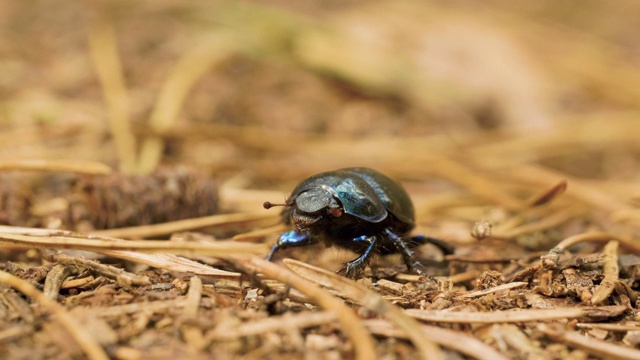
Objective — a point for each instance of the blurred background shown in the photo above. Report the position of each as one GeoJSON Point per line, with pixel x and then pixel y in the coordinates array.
{"type": "Point", "coordinates": [514, 123]}
{"type": "Point", "coordinates": [259, 95]}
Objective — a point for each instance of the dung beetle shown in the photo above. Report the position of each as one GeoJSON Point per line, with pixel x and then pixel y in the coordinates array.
{"type": "Point", "coordinates": [359, 209]}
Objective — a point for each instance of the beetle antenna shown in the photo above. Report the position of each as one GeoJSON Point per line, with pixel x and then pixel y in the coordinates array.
{"type": "Point", "coordinates": [269, 205]}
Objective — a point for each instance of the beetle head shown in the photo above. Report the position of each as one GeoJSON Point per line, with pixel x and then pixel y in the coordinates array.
{"type": "Point", "coordinates": [314, 205]}
{"type": "Point", "coordinates": [311, 206]}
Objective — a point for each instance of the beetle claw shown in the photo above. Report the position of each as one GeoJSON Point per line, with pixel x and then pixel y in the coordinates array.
{"type": "Point", "coordinates": [353, 269]}
{"type": "Point", "coordinates": [418, 269]}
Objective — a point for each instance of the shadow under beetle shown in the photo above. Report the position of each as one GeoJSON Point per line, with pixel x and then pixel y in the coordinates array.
{"type": "Point", "coordinates": [359, 209]}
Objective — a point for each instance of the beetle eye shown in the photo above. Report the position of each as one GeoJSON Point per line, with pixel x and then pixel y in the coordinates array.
{"type": "Point", "coordinates": [335, 212]}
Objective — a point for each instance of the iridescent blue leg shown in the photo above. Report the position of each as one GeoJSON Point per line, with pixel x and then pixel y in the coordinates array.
{"type": "Point", "coordinates": [445, 247]}
{"type": "Point", "coordinates": [354, 267]}
{"type": "Point", "coordinates": [406, 253]}
{"type": "Point", "coordinates": [293, 238]}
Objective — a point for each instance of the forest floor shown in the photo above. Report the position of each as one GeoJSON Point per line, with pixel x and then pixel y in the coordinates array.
{"type": "Point", "coordinates": [139, 143]}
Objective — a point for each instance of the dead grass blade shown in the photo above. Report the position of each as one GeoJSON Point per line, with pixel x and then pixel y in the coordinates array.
{"type": "Point", "coordinates": [191, 334]}
{"type": "Point", "coordinates": [104, 52]}
{"type": "Point", "coordinates": [221, 249]}
{"type": "Point", "coordinates": [464, 175]}
{"type": "Point", "coordinates": [143, 231]}
{"type": "Point", "coordinates": [361, 340]}
{"type": "Point", "coordinates": [548, 194]}
{"type": "Point", "coordinates": [191, 67]}
{"type": "Point", "coordinates": [455, 340]}
{"type": "Point", "coordinates": [517, 340]}
{"type": "Point", "coordinates": [260, 233]}
{"type": "Point", "coordinates": [549, 220]}
{"type": "Point", "coordinates": [627, 326]}
{"type": "Point", "coordinates": [593, 346]}
{"type": "Point", "coordinates": [520, 315]}
{"type": "Point", "coordinates": [483, 292]}
{"type": "Point", "coordinates": [147, 306]}
{"type": "Point", "coordinates": [372, 301]}
{"type": "Point", "coordinates": [73, 166]}
{"type": "Point", "coordinates": [172, 262]}
{"type": "Point", "coordinates": [576, 188]}
{"type": "Point", "coordinates": [169, 262]}
{"type": "Point", "coordinates": [274, 324]}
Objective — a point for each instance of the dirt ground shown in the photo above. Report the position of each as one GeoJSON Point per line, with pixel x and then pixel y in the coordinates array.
{"type": "Point", "coordinates": [139, 142]}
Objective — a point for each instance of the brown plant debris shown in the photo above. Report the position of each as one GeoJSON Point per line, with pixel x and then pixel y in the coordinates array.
{"type": "Point", "coordinates": [135, 157]}
{"type": "Point", "coordinates": [104, 201]}
{"type": "Point", "coordinates": [113, 201]}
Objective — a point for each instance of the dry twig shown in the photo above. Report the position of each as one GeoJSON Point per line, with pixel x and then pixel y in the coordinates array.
{"type": "Point", "coordinates": [112, 272]}
{"type": "Point", "coordinates": [54, 280]}
{"type": "Point", "coordinates": [604, 290]}
{"type": "Point", "coordinates": [191, 334]}
{"type": "Point", "coordinates": [483, 292]}
{"type": "Point", "coordinates": [550, 260]}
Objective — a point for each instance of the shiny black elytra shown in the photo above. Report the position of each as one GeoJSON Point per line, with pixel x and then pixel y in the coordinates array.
{"type": "Point", "coordinates": [359, 209]}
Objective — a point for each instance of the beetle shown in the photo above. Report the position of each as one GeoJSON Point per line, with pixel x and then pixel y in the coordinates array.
{"type": "Point", "coordinates": [359, 209]}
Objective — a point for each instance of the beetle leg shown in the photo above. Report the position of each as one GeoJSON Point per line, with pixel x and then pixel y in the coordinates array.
{"type": "Point", "coordinates": [406, 253]}
{"type": "Point", "coordinates": [293, 238]}
{"type": "Point", "coordinates": [354, 267]}
{"type": "Point", "coordinates": [445, 247]}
